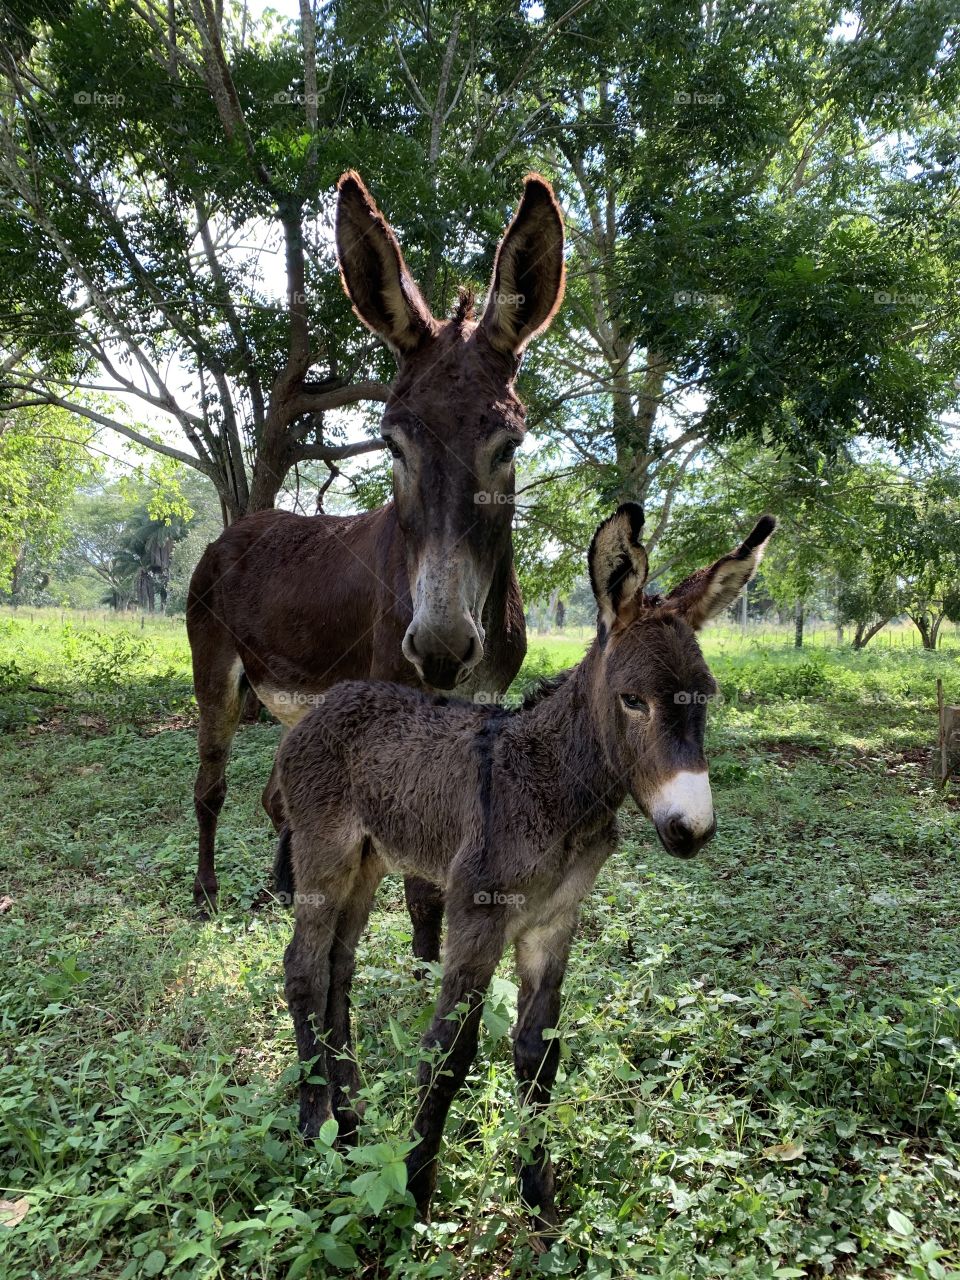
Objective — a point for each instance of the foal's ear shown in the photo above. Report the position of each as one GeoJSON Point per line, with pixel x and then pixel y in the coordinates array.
{"type": "Point", "coordinates": [528, 275]}
{"type": "Point", "coordinates": [617, 563]}
{"type": "Point", "coordinates": [375, 276]}
{"type": "Point", "coordinates": [709, 591]}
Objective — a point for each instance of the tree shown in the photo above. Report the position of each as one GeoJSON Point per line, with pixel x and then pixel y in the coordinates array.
{"type": "Point", "coordinates": [42, 460]}
{"type": "Point", "coordinates": [114, 534]}
{"type": "Point", "coordinates": [754, 262]}
{"type": "Point", "coordinates": [920, 545]}
{"type": "Point", "coordinates": [867, 597]}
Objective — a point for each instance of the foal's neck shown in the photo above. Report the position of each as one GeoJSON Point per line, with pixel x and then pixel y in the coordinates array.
{"type": "Point", "coordinates": [562, 731]}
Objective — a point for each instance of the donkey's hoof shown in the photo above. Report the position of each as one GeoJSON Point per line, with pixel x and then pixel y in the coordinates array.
{"type": "Point", "coordinates": [205, 899]}
{"type": "Point", "coordinates": [348, 1129]}
{"type": "Point", "coordinates": [421, 1183]}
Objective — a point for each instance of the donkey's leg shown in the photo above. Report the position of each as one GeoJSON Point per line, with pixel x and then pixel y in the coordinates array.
{"type": "Point", "coordinates": [325, 872]}
{"type": "Point", "coordinates": [542, 954]}
{"type": "Point", "coordinates": [343, 1074]}
{"type": "Point", "coordinates": [218, 687]}
{"type": "Point", "coordinates": [475, 942]}
{"type": "Point", "coordinates": [425, 904]}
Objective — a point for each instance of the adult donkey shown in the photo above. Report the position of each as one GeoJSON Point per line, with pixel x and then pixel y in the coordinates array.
{"type": "Point", "coordinates": [422, 591]}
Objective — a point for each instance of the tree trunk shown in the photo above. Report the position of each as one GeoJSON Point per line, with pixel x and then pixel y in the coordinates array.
{"type": "Point", "coordinates": [922, 622]}
{"type": "Point", "coordinates": [864, 634]}
{"type": "Point", "coordinates": [269, 472]}
{"type": "Point", "coordinates": [798, 625]}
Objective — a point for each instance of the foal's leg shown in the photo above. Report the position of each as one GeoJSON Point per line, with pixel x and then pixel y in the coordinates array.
{"type": "Point", "coordinates": [425, 905]}
{"type": "Point", "coordinates": [324, 881]}
{"type": "Point", "coordinates": [217, 680]}
{"type": "Point", "coordinates": [475, 943]}
{"type": "Point", "coordinates": [542, 955]}
{"type": "Point", "coordinates": [342, 1065]}
{"type": "Point", "coordinates": [271, 799]}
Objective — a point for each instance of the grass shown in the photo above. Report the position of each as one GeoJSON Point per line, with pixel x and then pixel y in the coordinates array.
{"type": "Point", "coordinates": [760, 1049]}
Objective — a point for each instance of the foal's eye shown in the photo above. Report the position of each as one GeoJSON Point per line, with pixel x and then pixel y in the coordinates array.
{"type": "Point", "coordinates": [633, 703]}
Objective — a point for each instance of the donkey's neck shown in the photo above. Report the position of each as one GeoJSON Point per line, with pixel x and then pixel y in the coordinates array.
{"type": "Point", "coordinates": [558, 748]}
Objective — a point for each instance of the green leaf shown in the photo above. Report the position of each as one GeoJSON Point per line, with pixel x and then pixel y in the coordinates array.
{"type": "Point", "coordinates": [899, 1222]}
{"type": "Point", "coordinates": [328, 1132]}
{"type": "Point", "coordinates": [378, 1193]}
{"type": "Point", "coordinates": [340, 1254]}
{"type": "Point", "coordinates": [395, 1174]}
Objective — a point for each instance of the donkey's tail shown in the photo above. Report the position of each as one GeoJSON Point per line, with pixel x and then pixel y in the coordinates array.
{"type": "Point", "coordinates": [283, 869]}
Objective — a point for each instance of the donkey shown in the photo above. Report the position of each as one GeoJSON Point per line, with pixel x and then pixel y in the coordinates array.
{"type": "Point", "coordinates": [422, 591]}
{"type": "Point", "coordinates": [512, 812]}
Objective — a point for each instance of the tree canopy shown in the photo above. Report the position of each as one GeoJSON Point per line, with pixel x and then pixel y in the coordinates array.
{"type": "Point", "coordinates": [761, 205]}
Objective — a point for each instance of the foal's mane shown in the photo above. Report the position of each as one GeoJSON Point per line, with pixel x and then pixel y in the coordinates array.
{"type": "Point", "coordinates": [542, 688]}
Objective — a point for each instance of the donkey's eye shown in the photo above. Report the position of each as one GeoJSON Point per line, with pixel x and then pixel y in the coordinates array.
{"type": "Point", "coordinates": [395, 450]}
{"type": "Point", "coordinates": [504, 456]}
{"type": "Point", "coordinates": [633, 703]}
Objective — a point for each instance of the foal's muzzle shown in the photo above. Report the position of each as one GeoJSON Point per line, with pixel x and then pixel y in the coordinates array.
{"type": "Point", "coordinates": [682, 812]}
{"type": "Point", "coordinates": [680, 839]}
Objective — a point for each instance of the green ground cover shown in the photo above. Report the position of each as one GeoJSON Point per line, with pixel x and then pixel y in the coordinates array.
{"type": "Point", "coordinates": [760, 1048]}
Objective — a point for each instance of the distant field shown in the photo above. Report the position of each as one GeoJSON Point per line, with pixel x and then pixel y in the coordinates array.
{"type": "Point", "coordinates": [761, 1049]}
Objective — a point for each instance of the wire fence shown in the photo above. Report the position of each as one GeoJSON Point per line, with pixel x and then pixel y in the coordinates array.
{"type": "Point", "coordinates": [730, 636]}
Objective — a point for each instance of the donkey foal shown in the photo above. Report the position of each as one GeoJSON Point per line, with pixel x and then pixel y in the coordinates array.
{"type": "Point", "coordinates": [512, 813]}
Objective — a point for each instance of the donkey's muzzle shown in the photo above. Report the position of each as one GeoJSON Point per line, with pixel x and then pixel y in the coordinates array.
{"type": "Point", "coordinates": [443, 660]}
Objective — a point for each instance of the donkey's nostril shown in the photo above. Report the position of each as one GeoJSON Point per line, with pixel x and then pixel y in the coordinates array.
{"type": "Point", "coordinates": [473, 654]}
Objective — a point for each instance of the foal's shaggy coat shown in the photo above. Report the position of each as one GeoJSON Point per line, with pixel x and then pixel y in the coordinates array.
{"type": "Point", "coordinates": [512, 813]}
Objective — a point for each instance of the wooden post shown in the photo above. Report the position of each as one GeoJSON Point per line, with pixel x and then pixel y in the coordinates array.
{"type": "Point", "coordinates": [944, 737]}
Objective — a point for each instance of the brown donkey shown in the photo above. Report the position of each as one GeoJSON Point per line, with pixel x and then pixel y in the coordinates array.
{"type": "Point", "coordinates": [513, 813]}
{"type": "Point", "coordinates": [422, 591]}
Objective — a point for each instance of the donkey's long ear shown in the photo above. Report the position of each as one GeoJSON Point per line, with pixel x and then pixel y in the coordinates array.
{"type": "Point", "coordinates": [374, 273]}
{"type": "Point", "coordinates": [617, 563]}
{"type": "Point", "coordinates": [528, 275]}
{"type": "Point", "coordinates": [709, 591]}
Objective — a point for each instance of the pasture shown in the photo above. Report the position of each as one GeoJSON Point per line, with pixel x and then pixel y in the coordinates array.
{"type": "Point", "coordinates": [760, 1049]}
